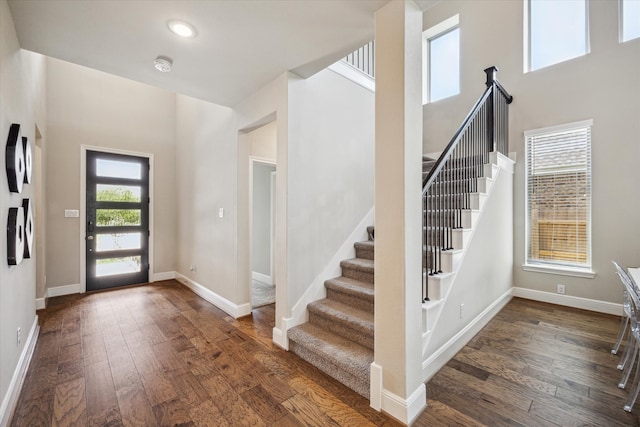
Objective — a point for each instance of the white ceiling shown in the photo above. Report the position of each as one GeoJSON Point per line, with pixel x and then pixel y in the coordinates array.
{"type": "Point", "coordinates": [241, 44]}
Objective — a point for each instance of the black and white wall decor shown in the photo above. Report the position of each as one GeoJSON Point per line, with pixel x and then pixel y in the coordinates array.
{"type": "Point", "coordinates": [14, 159]}
{"type": "Point", "coordinates": [27, 208]}
{"type": "Point", "coordinates": [15, 236]}
{"type": "Point", "coordinates": [28, 159]}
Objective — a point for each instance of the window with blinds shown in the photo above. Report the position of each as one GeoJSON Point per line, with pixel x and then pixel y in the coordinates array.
{"type": "Point", "coordinates": [558, 184]}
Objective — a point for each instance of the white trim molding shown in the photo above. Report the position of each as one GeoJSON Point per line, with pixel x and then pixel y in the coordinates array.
{"type": "Point", "coordinates": [167, 275]}
{"type": "Point", "coordinates": [440, 358]}
{"type": "Point", "coordinates": [280, 338]}
{"type": "Point", "coordinates": [64, 290]}
{"type": "Point", "coordinates": [221, 302]}
{"type": "Point", "coordinates": [41, 303]}
{"type": "Point", "coordinates": [569, 301]}
{"type": "Point", "coordinates": [15, 386]}
{"type": "Point", "coordinates": [350, 72]}
{"type": "Point", "coordinates": [405, 410]}
{"type": "Point", "coordinates": [263, 278]}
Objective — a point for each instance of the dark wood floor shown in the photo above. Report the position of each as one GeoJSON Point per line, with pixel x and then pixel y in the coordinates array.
{"type": "Point", "coordinates": [159, 355]}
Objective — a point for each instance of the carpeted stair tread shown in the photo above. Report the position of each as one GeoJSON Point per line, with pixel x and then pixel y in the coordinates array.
{"type": "Point", "coordinates": [341, 352]}
{"type": "Point", "coordinates": [365, 249]}
{"type": "Point", "coordinates": [356, 322]}
{"type": "Point", "coordinates": [350, 286]}
{"type": "Point", "coordinates": [358, 264]}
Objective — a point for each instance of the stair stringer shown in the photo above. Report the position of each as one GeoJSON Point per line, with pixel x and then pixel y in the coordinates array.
{"type": "Point", "coordinates": [316, 290]}
{"type": "Point", "coordinates": [499, 172]}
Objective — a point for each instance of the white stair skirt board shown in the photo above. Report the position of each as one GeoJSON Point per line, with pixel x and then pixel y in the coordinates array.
{"type": "Point", "coordinates": [15, 386]}
{"type": "Point", "coordinates": [440, 358]}
{"type": "Point", "coordinates": [316, 289]}
{"type": "Point", "coordinates": [221, 302]}
{"type": "Point", "coordinates": [569, 301]}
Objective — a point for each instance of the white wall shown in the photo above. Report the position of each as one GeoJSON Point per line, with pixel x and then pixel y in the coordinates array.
{"type": "Point", "coordinates": [88, 107]}
{"type": "Point", "coordinates": [603, 86]}
{"type": "Point", "coordinates": [263, 141]}
{"type": "Point", "coordinates": [206, 157]}
{"type": "Point", "coordinates": [331, 170]}
{"type": "Point", "coordinates": [22, 100]}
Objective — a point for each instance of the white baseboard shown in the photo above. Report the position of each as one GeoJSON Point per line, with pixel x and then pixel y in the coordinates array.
{"type": "Point", "coordinates": [222, 303]}
{"type": "Point", "coordinates": [261, 278]}
{"type": "Point", "coordinates": [167, 275]}
{"type": "Point", "coordinates": [569, 301]}
{"type": "Point", "coordinates": [280, 339]}
{"type": "Point", "coordinates": [437, 360]}
{"type": "Point", "coordinates": [15, 386]}
{"type": "Point", "coordinates": [63, 290]}
{"type": "Point", "coordinates": [41, 303]}
{"type": "Point", "coordinates": [405, 410]}
{"type": "Point", "coordinates": [375, 386]}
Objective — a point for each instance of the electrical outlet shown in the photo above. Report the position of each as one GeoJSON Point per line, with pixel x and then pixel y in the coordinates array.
{"type": "Point", "coordinates": [461, 310]}
{"type": "Point", "coordinates": [560, 289]}
{"type": "Point", "coordinates": [19, 336]}
{"type": "Point", "coordinates": [193, 268]}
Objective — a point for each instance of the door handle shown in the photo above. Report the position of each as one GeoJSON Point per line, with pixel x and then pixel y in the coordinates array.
{"type": "Point", "coordinates": [89, 237]}
{"type": "Point", "coordinates": [90, 227]}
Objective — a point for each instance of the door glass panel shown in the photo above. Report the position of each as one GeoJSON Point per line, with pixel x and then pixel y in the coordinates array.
{"type": "Point", "coordinates": [117, 193]}
{"type": "Point", "coordinates": [113, 266]}
{"type": "Point", "coordinates": [116, 169]}
{"type": "Point", "coordinates": [118, 242]}
{"type": "Point", "coordinates": [117, 217]}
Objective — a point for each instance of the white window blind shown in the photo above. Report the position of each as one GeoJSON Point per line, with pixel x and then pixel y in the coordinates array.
{"type": "Point", "coordinates": [559, 195]}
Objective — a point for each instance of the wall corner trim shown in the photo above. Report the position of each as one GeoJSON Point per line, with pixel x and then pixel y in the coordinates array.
{"type": "Point", "coordinates": [375, 387]}
{"type": "Point", "coordinates": [221, 302]}
{"type": "Point", "coordinates": [41, 303]}
{"type": "Point", "coordinates": [15, 386]}
{"type": "Point", "coordinates": [405, 411]}
{"type": "Point", "coordinates": [569, 301]}
{"type": "Point", "coordinates": [280, 339]}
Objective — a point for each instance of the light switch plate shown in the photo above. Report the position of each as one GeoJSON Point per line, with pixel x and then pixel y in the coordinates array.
{"type": "Point", "coordinates": [71, 213]}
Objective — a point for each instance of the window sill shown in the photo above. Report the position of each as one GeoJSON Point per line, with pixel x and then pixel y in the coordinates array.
{"type": "Point", "coordinates": [563, 271]}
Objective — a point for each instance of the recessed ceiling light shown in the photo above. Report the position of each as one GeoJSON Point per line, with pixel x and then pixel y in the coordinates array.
{"type": "Point", "coordinates": [182, 29]}
{"type": "Point", "coordinates": [163, 64]}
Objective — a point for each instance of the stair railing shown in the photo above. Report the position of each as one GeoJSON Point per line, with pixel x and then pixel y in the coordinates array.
{"type": "Point", "coordinates": [447, 189]}
{"type": "Point", "coordinates": [363, 59]}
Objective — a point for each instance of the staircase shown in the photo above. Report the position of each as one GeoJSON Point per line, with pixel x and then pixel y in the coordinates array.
{"type": "Point", "coordinates": [338, 338]}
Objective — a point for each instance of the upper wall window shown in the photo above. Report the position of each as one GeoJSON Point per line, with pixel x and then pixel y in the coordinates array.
{"type": "Point", "coordinates": [629, 20]}
{"type": "Point", "coordinates": [557, 31]}
{"type": "Point", "coordinates": [441, 45]}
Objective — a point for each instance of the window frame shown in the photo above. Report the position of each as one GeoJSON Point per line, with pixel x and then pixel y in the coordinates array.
{"type": "Point", "coordinates": [450, 24]}
{"type": "Point", "coordinates": [585, 270]}
{"type": "Point", "coordinates": [527, 38]}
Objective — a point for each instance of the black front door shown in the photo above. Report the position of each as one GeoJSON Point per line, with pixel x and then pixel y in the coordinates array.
{"type": "Point", "coordinates": [117, 228]}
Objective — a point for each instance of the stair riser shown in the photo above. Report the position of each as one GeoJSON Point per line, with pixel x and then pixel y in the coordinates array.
{"type": "Point", "coordinates": [357, 274]}
{"type": "Point", "coordinates": [351, 300]}
{"type": "Point", "coordinates": [340, 327]}
{"type": "Point", "coordinates": [364, 254]}
{"type": "Point", "coordinates": [358, 384]}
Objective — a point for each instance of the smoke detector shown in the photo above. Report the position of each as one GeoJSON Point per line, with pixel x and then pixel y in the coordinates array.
{"type": "Point", "coordinates": [163, 64]}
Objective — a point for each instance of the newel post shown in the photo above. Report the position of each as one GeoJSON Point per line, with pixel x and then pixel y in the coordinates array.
{"type": "Point", "coordinates": [491, 133]}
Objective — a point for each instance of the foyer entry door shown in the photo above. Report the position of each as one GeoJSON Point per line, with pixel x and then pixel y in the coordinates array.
{"type": "Point", "coordinates": [117, 214]}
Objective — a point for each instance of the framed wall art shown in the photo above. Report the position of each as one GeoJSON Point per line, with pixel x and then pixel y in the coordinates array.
{"type": "Point", "coordinates": [15, 236]}
{"type": "Point", "coordinates": [14, 159]}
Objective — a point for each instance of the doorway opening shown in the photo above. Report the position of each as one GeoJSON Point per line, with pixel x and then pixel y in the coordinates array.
{"type": "Point", "coordinates": [262, 171]}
